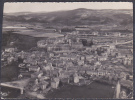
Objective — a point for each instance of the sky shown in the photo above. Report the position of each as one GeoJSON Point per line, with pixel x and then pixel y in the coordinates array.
{"type": "Point", "coordinates": [52, 6]}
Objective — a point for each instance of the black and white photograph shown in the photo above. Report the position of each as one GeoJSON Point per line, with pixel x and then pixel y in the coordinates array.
{"type": "Point", "coordinates": [67, 50]}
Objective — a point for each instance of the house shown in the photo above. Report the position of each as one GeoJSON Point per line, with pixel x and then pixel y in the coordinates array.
{"type": "Point", "coordinates": [127, 83]}
{"type": "Point", "coordinates": [85, 65]}
{"type": "Point", "coordinates": [43, 78]}
{"type": "Point", "coordinates": [65, 53]}
{"type": "Point", "coordinates": [10, 59]}
{"type": "Point", "coordinates": [60, 40]}
{"type": "Point", "coordinates": [69, 63]}
{"type": "Point", "coordinates": [88, 48]}
{"type": "Point", "coordinates": [34, 68]}
{"type": "Point", "coordinates": [10, 50]}
{"type": "Point", "coordinates": [76, 78]}
{"type": "Point", "coordinates": [49, 67]}
{"type": "Point", "coordinates": [36, 81]}
{"type": "Point", "coordinates": [51, 47]}
{"type": "Point", "coordinates": [82, 58]}
{"type": "Point", "coordinates": [95, 33]}
{"type": "Point", "coordinates": [51, 40]}
{"type": "Point", "coordinates": [95, 73]}
{"type": "Point", "coordinates": [37, 74]}
{"type": "Point", "coordinates": [123, 94]}
{"type": "Point", "coordinates": [102, 72]}
{"type": "Point", "coordinates": [51, 54]}
{"type": "Point", "coordinates": [43, 85]}
{"type": "Point", "coordinates": [73, 57]}
{"type": "Point", "coordinates": [35, 88]}
{"type": "Point", "coordinates": [123, 75]}
{"type": "Point", "coordinates": [65, 80]}
{"type": "Point", "coordinates": [80, 62]}
{"type": "Point", "coordinates": [97, 63]}
{"type": "Point", "coordinates": [20, 76]}
{"type": "Point", "coordinates": [64, 74]}
{"type": "Point", "coordinates": [77, 45]}
{"type": "Point", "coordinates": [34, 62]}
{"type": "Point", "coordinates": [55, 83]}
{"type": "Point", "coordinates": [64, 58]}
{"type": "Point", "coordinates": [89, 57]}
{"type": "Point", "coordinates": [41, 44]}
{"type": "Point", "coordinates": [128, 61]}
{"type": "Point", "coordinates": [64, 46]}
{"type": "Point", "coordinates": [55, 73]}
{"type": "Point", "coordinates": [102, 58]}
{"type": "Point", "coordinates": [112, 47]}
{"type": "Point", "coordinates": [41, 62]}
{"type": "Point", "coordinates": [77, 40]}
{"type": "Point", "coordinates": [90, 72]}
{"type": "Point", "coordinates": [131, 77]}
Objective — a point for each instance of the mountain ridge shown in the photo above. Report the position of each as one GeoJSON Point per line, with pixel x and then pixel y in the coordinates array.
{"type": "Point", "coordinates": [74, 17]}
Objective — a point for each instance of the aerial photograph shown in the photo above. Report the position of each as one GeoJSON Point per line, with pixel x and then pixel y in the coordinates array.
{"type": "Point", "coordinates": [67, 50]}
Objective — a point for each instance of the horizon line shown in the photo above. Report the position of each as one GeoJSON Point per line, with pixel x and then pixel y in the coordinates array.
{"type": "Point", "coordinates": [59, 10]}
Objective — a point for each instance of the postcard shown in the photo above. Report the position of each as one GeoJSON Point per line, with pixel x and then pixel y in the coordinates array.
{"type": "Point", "coordinates": [67, 50]}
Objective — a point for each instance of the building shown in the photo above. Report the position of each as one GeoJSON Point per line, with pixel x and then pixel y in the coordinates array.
{"type": "Point", "coordinates": [76, 78]}
{"type": "Point", "coordinates": [95, 33]}
{"type": "Point", "coordinates": [51, 54]}
{"type": "Point", "coordinates": [127, 61]}
{"type": "Point", "coordinates": [43, 85]}
{"type": "Point", "coordinates": [102, 72]}
{"type": "Point", "coordinates": [41, 44]}
{"type": "Point", "coordinates": [80, 62]}
{"type": "Point", "coordinates": [49, 67]}
{"type": "Point", "coordinates": [35, 88]}
{"type": "Point", "coordinates": [34, 68]}
{"type": "Point", "coordinates": [123, 75]}
{"type": "Point", "coordinates": [10, 60]}
{"type": "Point", "coordinates": [98, 63]}
{"type": "Point", "coordinates": [77, 45]}
{"type": "Point", "coordinates": [52, 47]}
{"type": "Point", "coordinates": [102, 58]}
{"type": "Point", "coordinates": [55, 83]}
{"type": "Point", "coordinates": [123, 94]}
{"type": "Point", "coordinates": [51, 40]}
{"type": "Point", "coordinates": [90, 72]}
{"type": "Point", "coordinates": [63, 74]}
{"type": "Point", "coordinates": [37, 74]}
{"type": "Point", "coordinates": [10, 50]}
{"type": "Point", "coordinates": [127, 83]}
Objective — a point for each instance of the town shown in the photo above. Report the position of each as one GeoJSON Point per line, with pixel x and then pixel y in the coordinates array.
{"type": "Point", "coordinates": [79, 57]}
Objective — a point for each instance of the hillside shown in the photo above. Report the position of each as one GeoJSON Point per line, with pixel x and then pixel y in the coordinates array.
{"type": "Point", "coordinates": [75, 17]}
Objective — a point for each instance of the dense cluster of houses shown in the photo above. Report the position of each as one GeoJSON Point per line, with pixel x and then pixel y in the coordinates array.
{"type": "Point", "coordinates": [67, 60]}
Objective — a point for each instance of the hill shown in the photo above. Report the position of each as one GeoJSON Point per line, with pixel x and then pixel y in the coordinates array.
{"type": "Point", "coordinates": [74, 17]}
